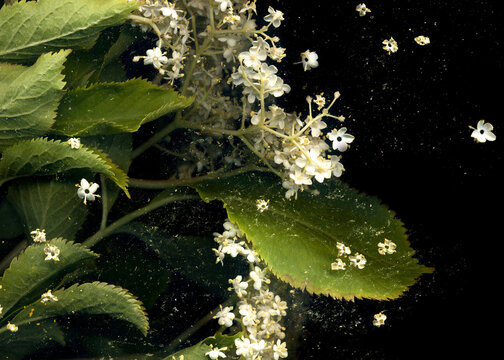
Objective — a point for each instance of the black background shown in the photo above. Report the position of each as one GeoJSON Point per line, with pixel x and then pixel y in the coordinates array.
{"type": "Point", "coordinates": [410, 113]}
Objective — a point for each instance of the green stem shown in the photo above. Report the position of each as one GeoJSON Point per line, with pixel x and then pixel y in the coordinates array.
{"type": "Point", "coordinates": [163, 184]}
{"type": "Point", "coordinates": [198, 325]}
{"type": "Point", "coordinates": [102, 233]}
{"type": "Point", "coordinates": [155, 139]}
{"type": "Point", "coordinates": [104, 198]}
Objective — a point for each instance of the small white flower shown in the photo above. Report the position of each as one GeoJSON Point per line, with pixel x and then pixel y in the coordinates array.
{"type": "Point", "coordinates": [340, 139]}
{"type": "Point", "coordinates": [74, 143]}
{"type": "Point", "coordinates": [243, 347]}
{"type": "Point", "coordinates": [155, 57]}
{"type": "Point", "coordinates": [422, 40]}
{"type": "Point", "coordinates": [386, 247]}
{"type": "Point", "coordinates": [224, 4]}
{"type": "Point", "coordinates": [343, 249]}
{"type": "Point", "coordinates": [358, 260]}
{"type": "Point", "coordinates": [379, 319]}
{"type": "Point", "coordinates": [338, 265]}
{"type": "Point", "coordinates": [87, 190]}
{"type": "Point", "coordinates": [258, 276]}
{"type": "Point", "coordinates": [262, 205]}
{"type": "Point", "coordinates": [38, 235]}
{"type": "Point", "coordinates": [280, 350]}
{"type": "Point", "coordinates": [1, 309]}
{"type": "Point", "coordinates": [274, 17]}
{"type": "Point", "coordinates": [483, 132]}
{"type": "Point", "coordinates": [215, 353]}
{"type": "Point", "coordinates": [12, 327]}
{"type": "Point", "coordinates": [390, 45]}
{"type": "Point", "coordinates": [225, 316]}
{"type": "Point", "coordinates": [52, 252]}
{"type": "Point", "coordinates": [320, 101]}
{"type": "Point", "coordinates": [362, 9]}
{"type": "Point", "coordinates": [309, 59]}
{"type": "Point", "coordinates": [239, 286]}
{"type": "Point", "coordinates": [48, 297]}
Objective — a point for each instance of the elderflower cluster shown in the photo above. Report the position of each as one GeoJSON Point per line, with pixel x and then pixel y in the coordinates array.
{"type": "Point", "coordinates": [260, 310]}
{"type": "Point", "coordinates": [171, 26]}
{"type": "Point", "coordinates": [344, 252]}
{"type": "Point", "coordinates": [221, 53]}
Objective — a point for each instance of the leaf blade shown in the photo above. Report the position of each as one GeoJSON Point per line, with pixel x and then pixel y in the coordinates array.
{"type": "Point", "coordinates": [30, 97]}
{"type": "Point", "coordinates": [297, 239]}
{"type": "Point", "coordinates": [117, 107]}
{"type": "Point", "coordinates": [29, 28]}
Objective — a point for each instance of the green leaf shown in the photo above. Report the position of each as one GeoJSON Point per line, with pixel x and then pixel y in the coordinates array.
{"type": "Point", "coordinates": [198, 351]}
{"type": "Point", "coordinates": [10, 224]}
{"type": "Point", "coordinates": [28, 29]}
{"type": "Point", "coordinates": [95, 298]}
{"type": "Point", "coordinates": [297, 238]}
{"type": "Point", "coordinates": [50, 205]}
{"type": "Point", "coordinates": [29, 97]}
{"type": "Point", "coordinates": [48, 157]}
{"type": "Point", "coordinates": [30, 275]}
{"type": "Point", "coordinates": [177, 251]}
{"type": "Point", "coordinates": [111, 108]}
{"type": "Point", "coordinates": [34, 338]}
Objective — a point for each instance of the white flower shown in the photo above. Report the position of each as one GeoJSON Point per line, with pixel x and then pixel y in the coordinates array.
{"type": "Point", "coordinates": [38, 235]}
{"type": "Point", "coordinates": [390, 45]}
{"type": "Point", "coordinates": [309, 60]}
{"type": "Point", "coordinates": [483, 132]}
{"type": "Point", "coordinates": [215, 353]}
{"type": "Point", "coordinates": [48, 297]}
{"type": "Point", "coordinates": [258, 276]}
{"type": "Point", "coordinates": [1, 309]}
{"type": "Point", "coordinates": [386, 247]}
{"type": "Point", "coordinates": [225, 316]}
{"type": "Point", "coordinates": [74, 143]}
{"type": "Point", "coordinates": [338, 265]}
{"type": "Point", "coordinates": [243, 347]}
{"type": "Point", "coordinates": [224, 4]}
{"type": "Point", "coordinates": [358, 260]}
{"type": "Point", "coordinates": [239, 286]}
{"type": "Point", "coordinates": [52, 252]}
{"type": "Point", "coordinates": [274, 17]}
{"type": "Point", "coordinates": [422, 40]}
{"type": "Point", "coordinates": [340, 139]}
{"type": "Point", "coordinates": [379, 319]}
{"type": "Point", "coordinates": [362, 9]}
{"type": "Point", "coordinates": [12, 327]}
{"type": "Point", "coordinates": [262, 205]}
{"type": "Point", "coordinates": [343, 249]}
{"type": "Point", "coordinates": [280, 350]}
{"type": "Point", "coordinates": [320, 101]}
{"type": "Point", "coordinates": [155, 57]}
{"type": "Point", "coordinates": [299, 177]}
{"type": "Point", "coordinates": [169, 11]}
{"type": "Point", "coordinates": [87, 190]}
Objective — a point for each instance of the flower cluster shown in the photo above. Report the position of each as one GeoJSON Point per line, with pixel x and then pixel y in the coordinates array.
{"type": "Point", "coordinates": [386, 247]}
{"type": "Point", "coordinates": [357, 260]}
{"type": "Point", "coordinates": [172, 28]}
{"type": "Point", "coordinates": [260, 310]}
{"type": "Point", "coordinates": [226, 42]}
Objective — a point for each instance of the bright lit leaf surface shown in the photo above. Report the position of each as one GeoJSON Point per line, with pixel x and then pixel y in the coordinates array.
{"type": "Point", "coordinates": [297, 238]}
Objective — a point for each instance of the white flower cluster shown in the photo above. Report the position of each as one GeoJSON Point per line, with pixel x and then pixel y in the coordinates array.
{"type": "Point", "coordinates": [227, 43]}
{"type": "Point", "coordinates": [357, 260]}
{"type": "Point", "coordinates": [260, 310]}
{"type": "Point", "coordinates": [172, 28]}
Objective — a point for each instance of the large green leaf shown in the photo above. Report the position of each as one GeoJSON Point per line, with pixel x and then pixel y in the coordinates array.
{"type": "Point", "coordinates": [95, 298]}
{"type": "Point", "coordinates": [111, 108]}
{"type": "Point", "coordinates": [29, 97]}
{"type": "Point", "coordinates": [28, 29]}
{"type": "Point", "coordinates": [47, 157]}
{"type": "Point", "coordinates": [297, 238]}
{"type": "Point", "coordinates": [50, 205]}
{"type": "Point", "coordinates": [29, 275]}
{"type": "Point", "coordinates": [15, 346]}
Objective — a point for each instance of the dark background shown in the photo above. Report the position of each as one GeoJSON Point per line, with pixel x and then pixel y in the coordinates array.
{"type": "Point", "coordinates": [410, 113]}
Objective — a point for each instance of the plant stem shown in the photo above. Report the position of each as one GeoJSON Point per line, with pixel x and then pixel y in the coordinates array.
{"type": "Point", "coordinates": [163, 184]}
{"type": "Point", "coordinates": [198, 325]}
{"type": "Point", "coordinates": [102, 233]}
